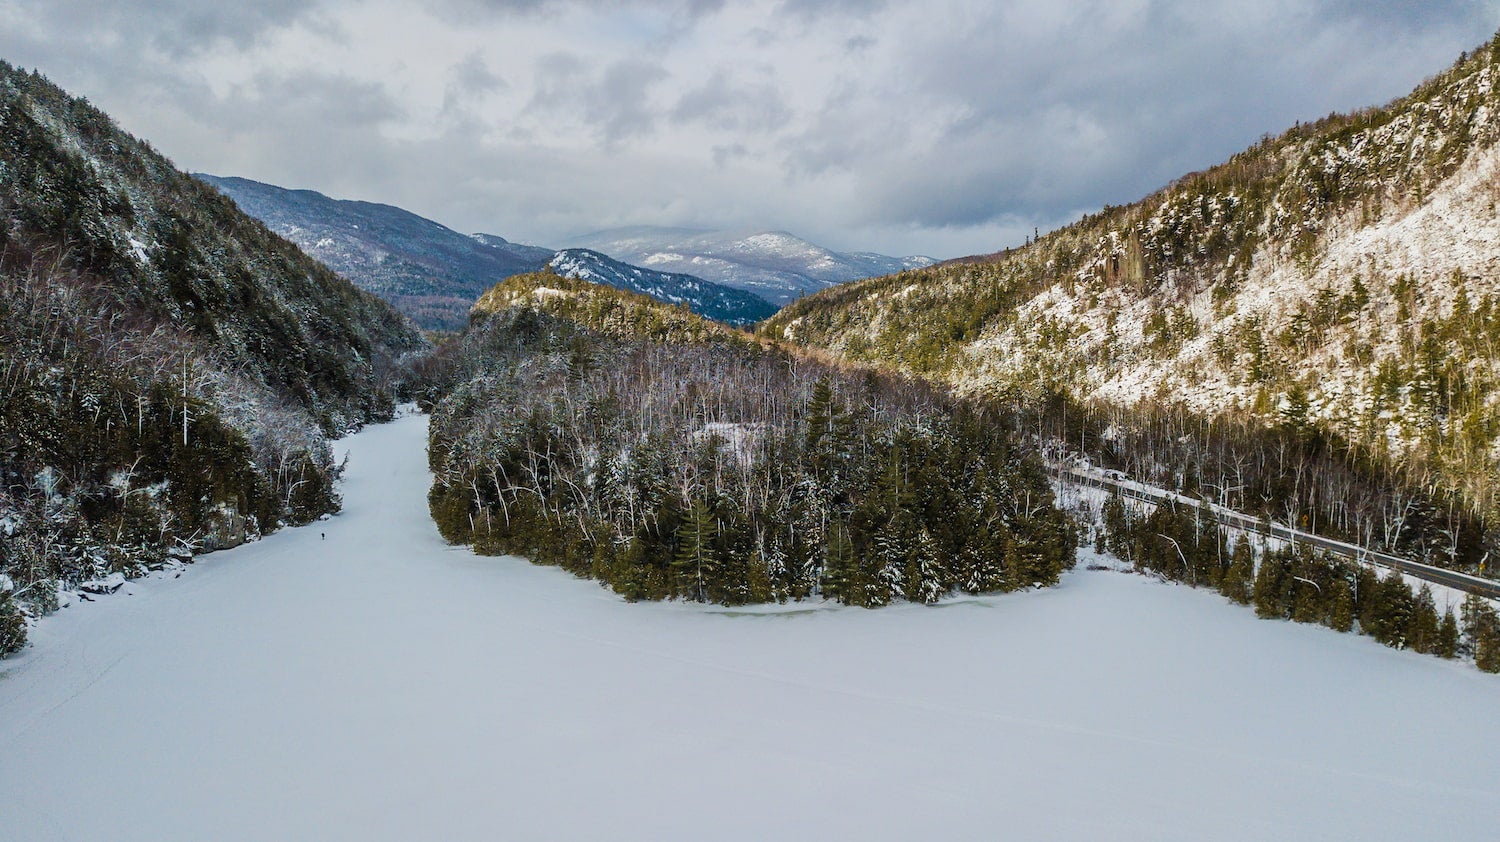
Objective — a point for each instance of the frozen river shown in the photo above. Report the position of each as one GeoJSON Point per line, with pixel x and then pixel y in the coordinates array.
{"type": "Point", "coordinates": [378, 684]}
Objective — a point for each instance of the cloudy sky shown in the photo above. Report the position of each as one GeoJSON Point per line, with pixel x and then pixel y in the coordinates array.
{"type": "Point", "coordinates": [941, 127]}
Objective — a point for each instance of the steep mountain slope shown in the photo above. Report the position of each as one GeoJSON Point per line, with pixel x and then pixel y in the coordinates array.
{"type": "Point", "coordinates": [521, 251]}
{"type": "Point", "coordinates": [169, 369]}
{"type": "Point", "coordinates": [1342, 279]}
{"type": "Point", "coordinates": [430, 272]}
{"type": "Point", "coordinates": [774, 265]}
{"type": "Point", "coordinates": [707, 299]}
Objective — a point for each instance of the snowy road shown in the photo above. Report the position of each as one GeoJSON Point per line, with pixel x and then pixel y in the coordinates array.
{"type": "Point", "coordinates": [379, 685]}
{"type": "Point", "coordinates": [1462, 582]}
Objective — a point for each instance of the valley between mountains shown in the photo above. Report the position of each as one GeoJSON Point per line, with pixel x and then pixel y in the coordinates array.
{"type": "Point", "coordinates": [319, 692]}
{"type": "Point", "coordinates": [321, 519]}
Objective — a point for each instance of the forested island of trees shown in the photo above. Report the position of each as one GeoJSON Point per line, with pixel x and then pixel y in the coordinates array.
{"type": "Point", "coordinates": [717, 469]}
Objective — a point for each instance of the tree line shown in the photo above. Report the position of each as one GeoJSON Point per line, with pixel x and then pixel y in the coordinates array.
{"type": "Point", "coordinates": [729, 472]}
{"type": "Point", "coordinates": [1288, 472]}
{"type": "Point", "coordinates": [1186, 544]}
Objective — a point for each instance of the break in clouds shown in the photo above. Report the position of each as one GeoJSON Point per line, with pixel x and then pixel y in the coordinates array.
{"type": "Point", "coordinates": [942, 128]}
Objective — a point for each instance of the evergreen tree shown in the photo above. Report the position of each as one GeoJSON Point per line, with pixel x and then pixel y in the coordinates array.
{"type": "Point", "coordinates": [1267, 592]}
{"type": "Point", "coordinates": [1366, 598]}
{"type": "Point", "coordinates": [839, 566]}
{"type": "Point", "coordinates": [1447, 640]}
{"type": "Point", "coordinates": [758, 580]}
{"type": "Point", "coordinates": [1341, 618]}
{"type": "Point", "coordinates": [926, 582]}
{"type": "Point", "coordinates": [1116, 525]}
{"type": "Point", "coordinates": [1482, 632]}
{"type": "Point", "coordinates": [982, 569]}
{"type": "Point", "coordinates": [1422, 625]}
{"type": "Point", "coordinates": [888, 575]}
{"type": "Point", "coordinates": [12, 622]}
{"type": "Point", "coordinates": [1307, 593]}
{"type": "Point", "coordinates": [1239, 579]}
{"type": "Point", "coordinates": [695, 561]}
{"type": "Point", "coordinates": [1392, 612]}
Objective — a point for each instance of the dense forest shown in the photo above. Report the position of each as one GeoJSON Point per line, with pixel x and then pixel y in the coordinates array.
{"type": "Point", "coordinates": [170, 371]}
{"type": "Point", "coordinates": [1288, 472]}
{"type": "Point", "coordinates": [677, 459]}
{"type": "Point", "coordinates": [1296, 583]}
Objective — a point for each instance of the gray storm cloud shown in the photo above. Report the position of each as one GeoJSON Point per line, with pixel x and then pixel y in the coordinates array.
{"type": "Point", "coordinates": [942, 127]}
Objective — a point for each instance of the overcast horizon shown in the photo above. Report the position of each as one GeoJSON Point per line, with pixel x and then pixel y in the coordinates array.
{"type": "Point", "coordinates": [943, 128]}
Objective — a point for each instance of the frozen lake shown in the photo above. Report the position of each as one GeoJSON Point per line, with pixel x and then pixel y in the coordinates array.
{"type": "Point", "coordinates": [378, 684]}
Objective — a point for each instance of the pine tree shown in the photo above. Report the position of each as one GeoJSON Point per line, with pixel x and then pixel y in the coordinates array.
{"type": "Point", "coordinates": [981, 565]}
{"type": "Point", "coordinates": [1392, 611]}
{"type": "Point", "coordinates": [1447, 640]}
{"type": "Point", "coordinates": [1341, 618]}
{"type": "Point", "coordinates": [758, 580]}
{"type": "Point", "coordinates": [886, 583]}
{"type": "Point", "coordinates": [925, 577]}
{"type": "Point", "coordinates": [1307, 595]}
{"type": "Point", "coordinates": [1267, 592]}
{"type": "Point", "coordinates": [1482, 631]}
{"type": "Point", "coordinates": [1422, 625]}
{"type": "Point", "coordinates": [1116, 525]}
{"type": "Point", "coordinates": [12, 621]}
{"type": "Point", "coordinates": [1366, 598]}
{"type": "Point", "coordinates": [1239, 579]}
{"type": "Point", "coordinates": [695, 561]}
{"type": "Point", "coordinates": [839, 563]}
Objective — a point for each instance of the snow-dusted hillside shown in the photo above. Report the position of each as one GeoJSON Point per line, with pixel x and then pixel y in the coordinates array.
{"type": "Point", "coordinates": [521, 251]}
{"type": "Point", "coordinates": [707, 299]}
{"type": "Point", "coordinates": [1344, 276]}
{"type": "Point", "coordinates": [774, 265]}
{"type": "Point", "coordinates": [427, 270]}
{"type": "Point", "coordinates": [303, 688]}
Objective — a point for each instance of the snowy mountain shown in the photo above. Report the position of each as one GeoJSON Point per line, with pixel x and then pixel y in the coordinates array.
{"type": "Point", "coordinates": [428, 271]}
{"type": "Point", "coordinates": [433, 273]}
{"type": "Point", "coordinates": [530, 254]}
{"type": "Point", "coordinates": [1342, 279]}
{"type": "Point", "coordinates": [774, 265]}
{"type": "Point", "coordinates": [707, 299]}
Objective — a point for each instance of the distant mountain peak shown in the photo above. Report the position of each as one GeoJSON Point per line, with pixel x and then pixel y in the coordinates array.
{"type": "Point", "coordinates": [434, 274]}
{"type": "Point", "coordinates": [715, 301]}
{"type": "Point", "coordinates": [776, 265]}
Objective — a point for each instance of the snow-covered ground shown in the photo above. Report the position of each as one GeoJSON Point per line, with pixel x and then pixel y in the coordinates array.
{"type": "Point", "coordinates": [380, 685]}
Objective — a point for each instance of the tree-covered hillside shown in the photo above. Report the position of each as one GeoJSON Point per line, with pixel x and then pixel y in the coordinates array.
{"type": "Point", "coordinates": [426, 270]}
{"type": "Point", "coordinates": [673, 458]}
{"type": "Point", "coordinates": [1340, 281]}
{"type": "Point", "coordinates": [613, 312]}
{"type": "Point", "coordinates": [169, 369]}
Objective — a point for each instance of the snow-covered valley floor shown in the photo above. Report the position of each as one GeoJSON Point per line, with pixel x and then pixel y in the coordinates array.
{"type": "Point", "coordinates": [381, 685]}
